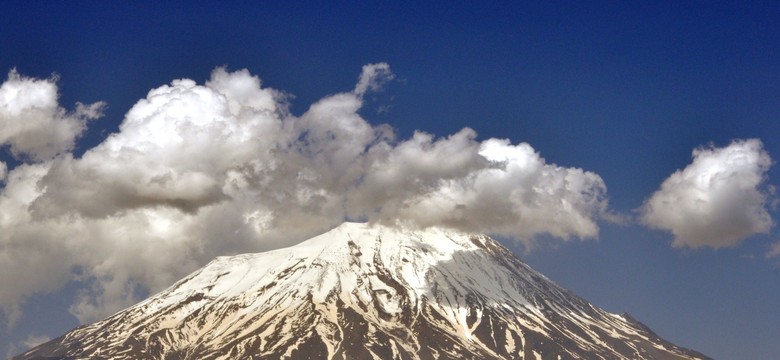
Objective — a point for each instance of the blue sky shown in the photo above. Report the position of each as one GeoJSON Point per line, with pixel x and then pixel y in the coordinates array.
{"type": "Point", "coordinates": [625, 91]}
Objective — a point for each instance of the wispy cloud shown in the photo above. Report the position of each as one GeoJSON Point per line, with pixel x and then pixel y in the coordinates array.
{"type": "Point", "coordinates": [774, 250]}
{"type": "Point", "coordinates": [30, 342]}
{"type": "Point", "coordinates": [34, 340]}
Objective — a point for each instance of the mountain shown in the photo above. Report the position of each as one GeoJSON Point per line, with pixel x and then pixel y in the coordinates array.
{"type": "Point", "coordinates": [366, 292]}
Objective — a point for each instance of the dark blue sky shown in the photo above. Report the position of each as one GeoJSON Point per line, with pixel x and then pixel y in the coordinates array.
{"type": "Point", "coordinates": [624, 89]}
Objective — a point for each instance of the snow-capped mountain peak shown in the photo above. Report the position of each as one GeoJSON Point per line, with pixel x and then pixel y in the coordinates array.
{"type": "Point", "coordinates": [365, 291]}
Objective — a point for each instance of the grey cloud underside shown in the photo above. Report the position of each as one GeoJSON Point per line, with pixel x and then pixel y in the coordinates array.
{"type": "Point", "coordinates": [198, 171]}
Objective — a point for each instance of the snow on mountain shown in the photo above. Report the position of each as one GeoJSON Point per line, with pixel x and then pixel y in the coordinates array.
{"type": "Point", "coordinates": [366, 292]}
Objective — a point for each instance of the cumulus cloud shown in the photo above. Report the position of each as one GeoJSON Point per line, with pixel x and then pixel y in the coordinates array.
{"type": "Point", "coordinates": [492, 186]}
{"type": "Point", "coordinates": [201, 170]}
{"type": "Point", "coordinates": [3, 171]}
{"type": "Point", "coordinates": [33, 124]}
{"type": "Point", "coordinates": [717, 200]}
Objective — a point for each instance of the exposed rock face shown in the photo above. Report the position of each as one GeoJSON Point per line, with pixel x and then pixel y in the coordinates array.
{"type": "Point", "coordinates": [366, 292]}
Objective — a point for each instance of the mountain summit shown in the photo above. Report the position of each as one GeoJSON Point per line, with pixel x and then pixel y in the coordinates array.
{"type": "Point", "coordinates": [366, 292]}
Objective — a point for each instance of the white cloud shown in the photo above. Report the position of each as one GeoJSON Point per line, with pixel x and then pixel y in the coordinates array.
{"type": "Point", "coordinates": [33, 124]}
{"type": "Point", "coordinates": [3, 171]}
{"type": "Point", "coordinates": [198, 171]}
{"type": "Point", "coordinates": [717, 200]}
{"type": "Point", "coordinates": [493, 187]}
{"type": "Point", "coordinates": [30, 260]}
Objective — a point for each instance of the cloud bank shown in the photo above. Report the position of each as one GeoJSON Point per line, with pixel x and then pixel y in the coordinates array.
{"type": "Point", "coordinates": [201, 170]}
{"type": "Point", "coordinates": [717, 200]}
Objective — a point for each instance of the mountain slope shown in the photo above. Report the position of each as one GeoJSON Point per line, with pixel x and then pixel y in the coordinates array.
{"type": "Point", "coordinates": [366, 292]}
